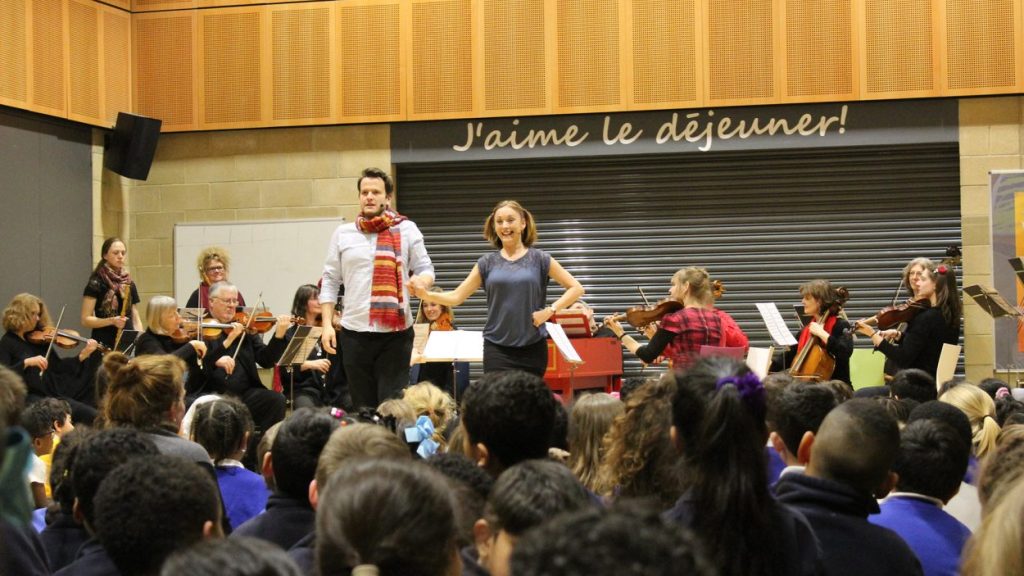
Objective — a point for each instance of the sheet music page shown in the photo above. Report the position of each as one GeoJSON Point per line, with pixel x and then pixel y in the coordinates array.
{"type": "Point", "coordinates": [947, 363]}
{"type": "Point", "coordinates": [419, 339]}
{"type": "Point", "coordinates": [302, 343]}
{"type": "Point", "coordinates": [776, 325]}
{"type": "Point", "coordinates": [447, 346]}
{"type": "Point", "coordinates": [561, 341]}
{"type": "Point", "coordinates": [759, 359]}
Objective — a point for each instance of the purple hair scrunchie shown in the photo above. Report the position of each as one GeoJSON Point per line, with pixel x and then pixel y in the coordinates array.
{"type": "Point", "coordinates": [750, 388]}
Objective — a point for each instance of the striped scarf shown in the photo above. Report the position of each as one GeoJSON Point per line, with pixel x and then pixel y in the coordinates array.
{"type": "Point", "coordinates": [386, 293]}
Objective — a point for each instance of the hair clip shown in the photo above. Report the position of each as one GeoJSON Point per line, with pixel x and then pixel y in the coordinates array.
{"type": "Point", "coordinates": [749, 386]}
{"type": "Point", "coordinates": [942, 269]}
{"type": "Point", "coordinates": [337, 413]}
{"type": "Point", "coordinates": [422, 432]}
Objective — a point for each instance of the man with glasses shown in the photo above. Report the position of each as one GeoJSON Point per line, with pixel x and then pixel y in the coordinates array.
{"type": "Point", "coordinates": [379, 259]}
{"type": "Point", "coordinates": [238, 374]}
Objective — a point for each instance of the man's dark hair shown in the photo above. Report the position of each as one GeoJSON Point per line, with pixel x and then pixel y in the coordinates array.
{"type": "Point", "coordinates": [595, 542]}
{"type": "Point", "coordinates": [932, 459]}
{"type": "Point", "coordinates": [512, 413]}
{"type": "Point", "coordinates": [296, 450]}
{"type": "Point", "coordinates": [897, 408]}
{"type": "Point", "coordinates": [389, 184]}
{"type": "Point", "coordinates": [470, 486]}
{"type": "Point", "coordinates": [151, 506]}
{"type": "Point", "coordinates": [532, 492]}
{"type": "Point", "coordinates": [38, 417]}
{"type": "Point", "coordinates": [915, 384]}
{"type": "Point", "coordinates": [947, 413]}
{"type": "Point", "coordinates": [800, 409]}
{"type": "Point", "coordinates": [238, 556]}
{"type": "Point", "coordinates": [856, 445]}
{"type": "Point", "coordinates": [98, 456]}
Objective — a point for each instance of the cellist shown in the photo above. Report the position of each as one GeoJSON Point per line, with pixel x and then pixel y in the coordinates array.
{"type": "Point", "coordinates": [818, 296]}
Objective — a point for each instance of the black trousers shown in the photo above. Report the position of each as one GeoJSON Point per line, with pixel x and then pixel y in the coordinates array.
{"type": "Point", "coordinates": [376, 364]}
{"type": "Point", "coordinates": [532, 358]}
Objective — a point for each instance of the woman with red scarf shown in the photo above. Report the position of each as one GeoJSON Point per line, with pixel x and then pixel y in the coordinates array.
{"type": "Point", "coordinates": [819, 296]}
{"type": "Point", "coordinates": [103, 301]}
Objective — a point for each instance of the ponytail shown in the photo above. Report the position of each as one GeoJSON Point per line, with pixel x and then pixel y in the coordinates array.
{"type": "Point", "coordinates": [985, 436]}
{"type": "Point", "coordinates": [141, 391]}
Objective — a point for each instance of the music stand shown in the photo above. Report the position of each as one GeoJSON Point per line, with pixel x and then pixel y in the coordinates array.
{"type": "Point", "coordinates": [298, 349]}
{"type": "Point", "coordinates": [991, 301]}
{"type": "Point", "coordinates": [573, 322]}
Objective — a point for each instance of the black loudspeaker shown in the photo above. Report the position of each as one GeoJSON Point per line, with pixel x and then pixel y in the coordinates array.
{"type": "Point", "coordinates": [129, 150]}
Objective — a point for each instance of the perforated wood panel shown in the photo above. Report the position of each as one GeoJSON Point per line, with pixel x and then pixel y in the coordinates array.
{"type": "Point", "coordinates": [149, 5]}
{"type": "Point", "coordinates": [588, 53]}
{"type": "Point", "coordinates": [163, 73]}
{"type": "Point", "coordinates": [980, 43]}
{"type": "Point", "coordinates": [231, 66]}
{"type": "Point", "coordinates": [302, 63]}
{"type": "Point", "coordinates": [122, 4]}
{"type": "Point", "coordinates": [740, 50]}
{"type": "Point", "coordinates": [899, 47]}
{"type": "Point", "coordinates": [370, 40]}
{"type": "Point", "coordinates": [48, 56]}
{"type": "Point", "coordinates": [819, 48]}
{"type": "Point", "coordinates": [514, 55]}
{"type": "Point", "coordinates": [117, 42]}
{"type": "Point", "coordinates": [442, 60]}
{"type": "Point", "coordinates": [13, 52]}
{"type": "Point", "coordinates": [84, 59]}
{"type": "Point", "coordinates": [665, 61]}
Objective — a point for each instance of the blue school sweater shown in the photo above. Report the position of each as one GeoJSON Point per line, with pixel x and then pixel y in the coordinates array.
{"type": "Point", "coordinates": [936, 537]}
{"type": "Point", "coordinates": [244, 493]}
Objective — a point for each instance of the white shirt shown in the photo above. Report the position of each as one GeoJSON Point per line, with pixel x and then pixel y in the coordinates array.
{"type": "Point", "coordinates": [350, 263]}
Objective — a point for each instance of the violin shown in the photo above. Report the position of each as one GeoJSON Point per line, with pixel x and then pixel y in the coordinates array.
{"type": "Point", "coordinates": [642, 316]}
{"type": "Point", "coordinates": [814, 362]}
{"type": "Point", "coordinates": [65, 338]}
{"type": "Point", "coordinates": [891, 316]}
{"type": "Point", "coordinates": [257, 322]}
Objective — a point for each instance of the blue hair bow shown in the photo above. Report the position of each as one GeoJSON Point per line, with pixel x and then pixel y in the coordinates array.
{"type": "Point", "coordinates": [423, 432]}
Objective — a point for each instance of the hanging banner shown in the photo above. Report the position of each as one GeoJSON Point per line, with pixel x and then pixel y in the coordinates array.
{"type": "Point", "coordinates": [678, 131]}
{"type": "Point", "coordinates": [1007, 245]}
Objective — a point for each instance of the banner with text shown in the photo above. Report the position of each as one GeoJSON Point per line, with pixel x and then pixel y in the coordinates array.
{"type": "Point", "coordinates": [678, 131]}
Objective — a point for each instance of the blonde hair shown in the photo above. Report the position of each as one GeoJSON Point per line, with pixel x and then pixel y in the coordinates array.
{"type": "Point", "coordinates": [428, 400]}
{"type": "Point", "coordinates": [399, 410]}
{"type": "Point", "coordinates": [995, 549]}
{"type": "Point", "coordinates": [591, 418]}
{"type": "Point", "coordinates": [206, 255]}
{"type": "Point", "coordinates": [155, 310]}
{"type": "Point", "coordinates": [699, 281]}
{"type": "Point", "coordinates": [981, 412]}
{"type": "Point", "coordinates": [357, 441]}
{"type": "Point", "coordinates": [19, 312]}
{"type": "Point", "coordinates": [529, 234]}
{"type": "Point", "coordinates": [421, 317]}
{"type": "Point", "coordinates": [141, 391]}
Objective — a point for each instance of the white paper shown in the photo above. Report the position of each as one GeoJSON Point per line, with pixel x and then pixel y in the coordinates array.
{"type": "Point", "coordinates": [947, 363]}
{"type": "Point", "coordinates": [452, 345]}
{"type": "Point", "coordinates": [776, 325]}
{"type": "Point", "coordinates": [759, 359]}
{"type": "Point", "coordinates": [561, 341]}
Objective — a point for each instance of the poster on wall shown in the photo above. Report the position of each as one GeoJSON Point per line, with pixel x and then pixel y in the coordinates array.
{"type": "Point", "coordinates": [1007, 248]}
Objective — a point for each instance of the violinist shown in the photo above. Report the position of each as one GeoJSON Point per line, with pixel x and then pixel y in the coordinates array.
{"type": "Point", "coordinates": [683, 332]}
{"type": "Point", "coordinates": [937, 324]}
{"type": "Point", "coordinates": [165, 334]}
{"type": "Point", "coordinates": [313, 384]}
{"type": "Point", "coordinates": [45, 375]}
{"type": "Point", "coordinates": [442, 319]}
{"type": "Point", "coordinates": [911, 272]}
{"type": "Point", "coordinates": [232, 359]}
{"type": "Point", "coordinates": [213, 264]}
{"type": "Point", "coordinates": [818, 297]}
{"type": "Point", "coordinates": [104, 305]}
{"type": "Point", "coordinates": [515, 278]}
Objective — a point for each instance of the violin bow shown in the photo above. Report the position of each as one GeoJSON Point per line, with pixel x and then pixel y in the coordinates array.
{"type": "Point", "coordinates": [259, 300]}
{"type": "Point", "coordinates": [56, 330]}
{"type": "Point", "coordinates": [644, 296]}
{"type": "Point", "coordinates": [126, 297]}
{"type": "Point", "coordinates": [199, 334]}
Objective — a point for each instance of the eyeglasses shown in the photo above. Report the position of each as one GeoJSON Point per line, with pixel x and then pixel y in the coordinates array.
{"type": "Point", "coordinates": [226, 300]}
{"type": "Point", "coordinates": [215, 269]}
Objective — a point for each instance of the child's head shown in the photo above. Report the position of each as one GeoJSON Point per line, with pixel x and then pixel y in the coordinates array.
{"type": "Point", "coordinates": [629, 385]}
{"type": "Point", "coordinates": [932, 459]}
{"type": "Point", "coordinates": [591, 418]}
{"type": "Point", "coordinates": [508, 417]}
{"type": "Point", "coordinates": [57, 411]}
{"type": "Point", "coordinates": [579, 545]}
{"type": "Point", "coordinates": [857, 446]}
{"type": "Point", "coordinates": [425, 399]}
{"type": "Point", "coordinates": [351, 443]}
{"type": "Point", "coordinates": [296, 450]}
{"type": "Point", "coordinates": [223, 427]}
{"type": "Point", "coordinates": [60, 469]}
{"type": "Point", "coordinates": [524, 496]}
{"type": "Point", "coordinates": [151, 506]}
{"type": "Point", "coordinates": [146, 392]}
{"type": "Point", "coordinates": [396, 516]}
{"type": "Point", "coordinates": [40, 420]}
{"type": "Point", "coordinates": [980, 410]}
{"type": "Point", "coordinates": [399, 412]}
{"type": "Point", "coordinates": [800, 409]}
{"type": "Point", "coordinates": [470, 487]}
{"type": "Point", "coordinates": [1003, 468]}
{"type": "Point", "coordinates": [12, 396]}
{"type": "Point", "coordinates": [96, 457]}
{"type": "Point", "coordinates": [263, 453]}
{"type": "Point", "coordinates": [237, 556]}
{"type": "Point", "coordinates": [913, 383]}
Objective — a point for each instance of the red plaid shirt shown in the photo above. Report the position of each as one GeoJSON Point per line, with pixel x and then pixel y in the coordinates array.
{"type": "Point", "coordinates": [693, 327]}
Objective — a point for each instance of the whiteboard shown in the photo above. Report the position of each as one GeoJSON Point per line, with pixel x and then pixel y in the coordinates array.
{"type": "Point", "coordinates": [274, 257]}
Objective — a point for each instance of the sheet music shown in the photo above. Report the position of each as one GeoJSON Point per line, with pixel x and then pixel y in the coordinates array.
{"type": "Point", "coordinates": [452, 345]}
{"type": "Point", "coordinates": [301, 344]}
{"type": "Point", "coordinates": [419, 339]}
{"type": "Point", "coordinates": [561, 341]}
{"type": "Point", "coordinates": [776, 325]}
{"type": "Point", "coordinates": [759, 359]}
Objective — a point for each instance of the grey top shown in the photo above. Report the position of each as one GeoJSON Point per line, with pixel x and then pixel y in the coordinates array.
{"type": "Point", "coordinates": [515, 290]}
{"type": "Point", "coordinates": [173, 445]}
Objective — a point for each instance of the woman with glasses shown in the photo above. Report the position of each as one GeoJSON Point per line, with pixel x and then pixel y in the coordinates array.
{"type": "Point", "coordinates": [213, 264]}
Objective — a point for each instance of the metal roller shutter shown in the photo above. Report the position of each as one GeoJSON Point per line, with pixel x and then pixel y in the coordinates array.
{"type": "Point", "coordinates": [762, 222]}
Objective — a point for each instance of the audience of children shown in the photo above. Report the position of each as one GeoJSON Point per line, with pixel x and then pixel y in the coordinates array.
{"type": "Point", "coordinates": [981, 412]}
{"type": "Point", "coordinates": [230, 557]}
{"type": "Point", "coordinates": [591, 418]}
{"type": "Point", "coordinates": [63, 535]}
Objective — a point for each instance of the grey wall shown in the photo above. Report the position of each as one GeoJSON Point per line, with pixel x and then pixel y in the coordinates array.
{"type": "Point", "coordinates": [45, 210]}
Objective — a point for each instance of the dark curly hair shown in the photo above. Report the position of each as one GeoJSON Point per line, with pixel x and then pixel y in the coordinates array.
{"type": "Point", "coordinates": [98, 455]}
{"type": "Point", "coordinates": [296, 450]}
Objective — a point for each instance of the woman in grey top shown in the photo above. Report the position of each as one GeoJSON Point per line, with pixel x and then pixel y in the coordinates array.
{"type": "Point", "coordinates": [515, 279]}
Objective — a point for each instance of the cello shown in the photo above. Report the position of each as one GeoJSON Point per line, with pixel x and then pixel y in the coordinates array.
{"type": "Point", "coordinates": [814, 362]}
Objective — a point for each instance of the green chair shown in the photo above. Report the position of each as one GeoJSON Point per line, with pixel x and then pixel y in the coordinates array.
{"type": "Point", "coordinates": [866, 368]}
